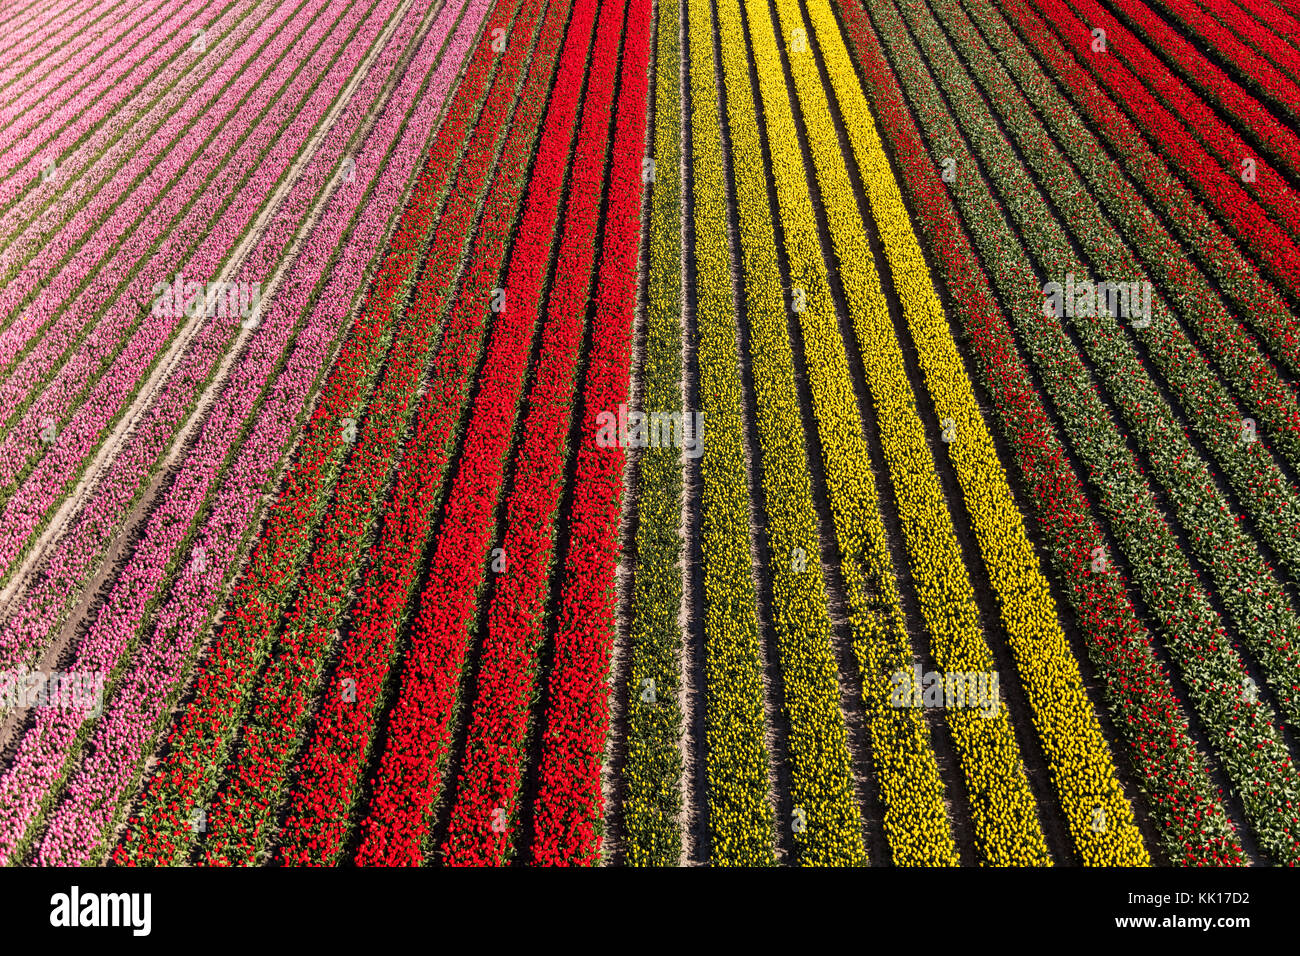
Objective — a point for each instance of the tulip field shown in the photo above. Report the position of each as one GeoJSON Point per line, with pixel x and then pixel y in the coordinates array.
{"type": "Point", "coordinates": [650, 432]}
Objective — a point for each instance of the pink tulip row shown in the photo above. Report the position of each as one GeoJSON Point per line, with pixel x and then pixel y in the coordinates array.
{"type": "Point", "coordinates": [220, 216]}
{"type": "Point", "coordinates": [29, 33]}
{"type": "Point", "coordinates": [130, 719]}
{"type": "Point", "coordinates": [173, 401]}
{"type": "Point", "coordinates": [42, 751]}
{"type": "Point", "coordinates": [21, 20]}
{"type": "Point", "coordinates": [147, 174]}
{"type": "Point", "coordinates": [118, 294]}
{"type": "Point", "coordinates": [37, 210]}
{"type": "Point", "coordinates": [50, 131]}
{"type": "Point", "coordinates": [83, 315]}
{"type": "Point", "coordinates": [164, 178]}
{"type": "Point", "coordinates": [77, 82]}
{"type": "Point", "coordinates": [92, 529]}
{"type": "Point", "coordinates": [52, 38]}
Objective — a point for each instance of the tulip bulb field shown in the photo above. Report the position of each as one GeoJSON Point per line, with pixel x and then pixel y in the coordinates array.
{"type": "Point", "coordinates": [650, 432]}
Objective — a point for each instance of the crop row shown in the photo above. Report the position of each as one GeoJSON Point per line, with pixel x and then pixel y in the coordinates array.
{"type": "Point", "coordinates": [821, 783]}
{"type": "Point", "coordinates": [568, 810]}
{"type": "Point", "coordinates": [255, 778]}
{"type": "Point", "coordinates": [227, 326]}
{"type": "Point", "coordinates": [121, 384]}
{"type": "Point", "coordinates": [93, 527]}
{"type": "Point", "coordinates": [1267, 15]}
{"type": "Point", "coordinates": [1255, 299]}
{"type": "Point", "coordinates": [230, 674]}
{"type": "Point", "coordinates": [320, 806]}
{"type": "Point", "coordinates": [1003, 808]}
{"type": "Point", "coordinates": [1208, 663]}
{"type": "Point", "coordinates": [76, 350]}
{"type": "Point", "coordinates": [65, 262]}
{"type": "Point", "coordinates": [741, 817]}
{"type": "Point", "coordinates": [322, 285]}
{"type": "Point", "coordinates": [1178, 42]}
{"type": "Point", "coordinates": [65, 421]}
{"type": "Point", "coordinates": [1255, 70]}
{"type": "Point", "coordinates": [652, 771]}
{"type": "Point", "coordinates": [27, 29]}
{"type": "Point", "coordinates": [1157, 107]}
{"type": "Point", "coordinates": [418, 737]}
{"type": "Point", "coordinates": [141, 588]}
{"type": "Point", "coordinates": [488, 784]}
{"type": "Point", "coordinates": [100, 74]}
{"type": "Point", "coordinates": [1183, 364]}
{"type": "Point", "coordinates": [915, 818]}
{"type": "Point", "coordinates": [106, 146]}
{"type": "Point", "coordinates": [1251, 591]}
{"type": "Point", "coordinates": [1076, 750]}
{"type": "Point", "coordinates": [1173, 772]}
{"type": "Point", "coordinates": [1222, 339]}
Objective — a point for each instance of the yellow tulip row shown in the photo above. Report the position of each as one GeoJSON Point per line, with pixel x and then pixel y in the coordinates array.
{"type": "Point", "coordinates": [1003, 809]}
{"type": "Point", "coordinates": [916, 822]}
{"type": "Point", "coordinates": [1099, 816]}
{"type": "Point", "coordinates": [820, 775]}
{"type": "Point", "coordinates": [740, 812]}
{"type": "Point", "coordinates": [653, 772]}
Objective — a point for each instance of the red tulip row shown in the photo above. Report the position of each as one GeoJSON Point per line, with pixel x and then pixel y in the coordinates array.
{"type": "Point", "coordinates": [162, 830]}
{"type": "Point", "coordinates": [569, 803]}
{"type": "Point", "coordinates": [1222, 189]}
{"type": "Point", "coordinates": [1250, 69]}
{"type": "Point", "coordinates": [1290, 6]}
{"type": "Point", "coordinates": [319, 814]}
{"type": "Point", "coordinates": [482, 828]}
{"type": "Point", "coordinates": [1275, 17]}
{"type": "Point", "coordinates": [1268, 33]}
{"type": "Point", "coordinates": [1196, 395]}
{"type": "Point", "coordinates": [1249, 589]}
{"type": "Point", "coordinates": [1210, 412]}
{"type": "Point", "coordinates": [1240, 727]}
{"type": "Point", "coordinates": [1179, 95]}
{"type": "Point", "coordinates": [1172, 769]}
{"type": "Point", "coordinates": [408, 781]}
{"type": "Point", "coordinates": [1256, 299]}
{"type": "Point", "coordinates": [244, 808]}
{"type": "Point", "coordinates": [1095, 187]}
